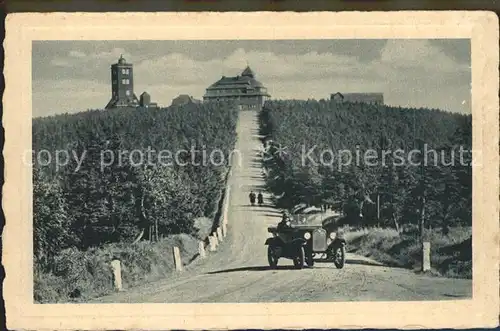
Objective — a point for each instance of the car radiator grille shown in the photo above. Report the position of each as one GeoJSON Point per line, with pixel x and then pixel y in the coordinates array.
{"type": "Point", "coordinates": [319, 240]}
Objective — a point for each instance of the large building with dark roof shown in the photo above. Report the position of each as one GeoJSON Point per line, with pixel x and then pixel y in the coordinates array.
{"type": "Point", "coordinates": [248, 92]}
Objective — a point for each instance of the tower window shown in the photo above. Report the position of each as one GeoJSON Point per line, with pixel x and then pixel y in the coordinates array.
{"type": "Point", "coordinates": [125, 81]}
{"type": "Point", "coordinates": [127, 92]}
{"type": "Point", "coordinates": [125, 71]}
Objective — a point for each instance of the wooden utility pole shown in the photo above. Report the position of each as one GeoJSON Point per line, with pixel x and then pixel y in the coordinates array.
{"type": "Point", "coordinates": [156, 229]}
{"type": "Point", "coordinates": [425, 245]}
{"type": "Point", "coordinates": [422, 219]}
{"type": "Point", "coordinates": [422, 192]}
{"type": "Point", "coordinates": [378, 207]}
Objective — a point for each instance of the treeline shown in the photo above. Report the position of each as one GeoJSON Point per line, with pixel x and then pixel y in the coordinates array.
{"type": "Point", "coordinates": [379, 165]}
{"type": "Point", "coordinates": [127, 174]}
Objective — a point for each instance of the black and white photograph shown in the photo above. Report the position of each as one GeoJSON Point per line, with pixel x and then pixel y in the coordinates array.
{"type": "Point", "coordinates": [253, 170]}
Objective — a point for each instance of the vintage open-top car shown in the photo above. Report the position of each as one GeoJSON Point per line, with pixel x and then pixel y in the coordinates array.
{"type": "Point", "coordinates": [303, 243]}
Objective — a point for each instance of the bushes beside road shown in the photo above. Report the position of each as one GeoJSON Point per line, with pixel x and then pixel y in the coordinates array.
{"type": "Point", "coordinates": [78, 275]}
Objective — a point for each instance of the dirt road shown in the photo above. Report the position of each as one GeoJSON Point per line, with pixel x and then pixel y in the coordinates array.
{"type": "Point", "coordinates": [238, 272]}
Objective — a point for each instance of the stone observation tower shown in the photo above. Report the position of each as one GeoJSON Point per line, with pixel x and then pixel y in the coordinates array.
{"type": "Point", "coordinates": [244, 89]}
{"type": "Point", "coordinates": [122, 85]}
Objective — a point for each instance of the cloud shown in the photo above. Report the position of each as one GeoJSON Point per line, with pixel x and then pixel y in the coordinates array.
{"type": "Point", "coordinates": [408, 72]}
{"type": "Point", "coordinates": [77, 54]}
{"type": "Point", "coordinates": [77, 58]}
{"type": "Point", "coordinates": [58, 62]}
{"type": "Point", "coordinates": [112, 56]}
{"type": "Point", "coordinates": [418, 54]}
{"type": "Point", "coordinates": [69, 95]}
{"type": "Point", "coordinates": [267, 65]}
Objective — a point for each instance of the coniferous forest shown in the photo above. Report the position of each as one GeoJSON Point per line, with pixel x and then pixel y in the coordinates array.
{"type": "Point", "coordinates": [106, 181]}
{"type": "Point", "coordinates": [310, 168]}
{"type": "Point", "coordinates": [307, 161]}
{"type": "Point", "coordinates": [99, 177]}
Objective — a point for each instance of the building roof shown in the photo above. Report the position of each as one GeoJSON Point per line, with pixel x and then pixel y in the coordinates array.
{"type": "Point", "coordinates": [361, 97]}
{"type": "Point", "coordinates": [183, 99]}
{"type": "Point", "coordinates": [245, 80]}
{"type": "Point", "coordinates": [145, 94]}
{"type": "Point", "coordinates": [248, 72]}
{"type": "Point", "coordinates": [122, 60]}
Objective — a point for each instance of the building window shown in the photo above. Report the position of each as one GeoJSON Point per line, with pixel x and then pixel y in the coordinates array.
{"type": "Point", "coordinates": [127, 92]}
{"type": "Point", "coordinates": [125, 71]}
{"type": "Point", "coordinates": [125, 81]}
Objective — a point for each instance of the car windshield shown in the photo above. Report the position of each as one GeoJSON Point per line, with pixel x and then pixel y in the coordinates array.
{"type": "Point", "coordinates": [313, 217]}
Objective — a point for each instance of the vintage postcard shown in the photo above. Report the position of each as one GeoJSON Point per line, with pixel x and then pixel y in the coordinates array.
{"type": "Point", "coordinates": [251, 170]}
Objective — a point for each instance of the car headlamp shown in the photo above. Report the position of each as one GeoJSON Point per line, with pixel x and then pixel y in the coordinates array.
{"type": "Point", "coordinates": [332, 235]}
{"type": "Point", "coordinates": [288, 223]}
{"type": "Point", "coordinates": [307, 235]}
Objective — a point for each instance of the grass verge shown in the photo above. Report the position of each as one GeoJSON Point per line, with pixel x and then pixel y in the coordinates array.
{"type": "Point", "coordinates": [77, 276]}
{"type": "Point", "coordinates": [451, 254]}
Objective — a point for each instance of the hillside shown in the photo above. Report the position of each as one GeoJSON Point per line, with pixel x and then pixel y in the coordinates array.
{"type": "Point", "coordinates": [348, 156]}
{"type": "Point", "coordinates": [117, 176]}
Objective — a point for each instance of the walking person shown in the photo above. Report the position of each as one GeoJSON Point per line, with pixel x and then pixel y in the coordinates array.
{"type": "Point", "coordinates": [252, 198]}
{"type": "Point", "coordinates": [260, 199]}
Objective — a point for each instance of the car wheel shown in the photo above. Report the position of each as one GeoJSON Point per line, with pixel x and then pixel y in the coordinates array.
{"type": "Point", "coordinates": [339, 257]}
{"type": "Point", "coordinates": [271, 257]}
{"type": "Point", "coordinates": [298, 261]}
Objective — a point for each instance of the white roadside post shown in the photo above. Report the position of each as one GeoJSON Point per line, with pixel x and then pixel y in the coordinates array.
{"type": "Point", "coordinates": [426, 256]}
{"type": "Point", "coordinates": [219, 234]}
{"type": "Point", "coordinates": [213, 246]}
{"type": "Point", "coordinates": [201, 249]}
{"type": "Point", "coordinates": [214, 235]}
{"type": "Point", "coordinates": [177, 259]}
{"type": "Point", "coordinates": [226, 206]}
{"type": "Point", "coordinates": [117, 274]}
{"type": "Point", "coordinates": [224, 229]}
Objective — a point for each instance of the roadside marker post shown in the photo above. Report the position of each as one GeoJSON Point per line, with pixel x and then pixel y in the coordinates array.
{"type": "Point", "coordinates": [226, 206]}
{"type": "Point", "coordinates": [219, 234]}
{"type": "Point", "coordinates": [426, 256]}
{"type": "Point", "coordinates": [212, 247]}
{"type": "Point", "coordinates": [177, 259]}
{"type": "Point", "coordinates": [117, 274]}
{"type": "Point", "coordinates": [201, 249]}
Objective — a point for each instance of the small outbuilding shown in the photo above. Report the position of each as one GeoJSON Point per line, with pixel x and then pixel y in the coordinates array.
{"type": "Point", "coordinates": [184, 99]}
{"type": "Point", "coordinates": [145, 99]}
{"type": "Point", "coordinates": [370, 98]}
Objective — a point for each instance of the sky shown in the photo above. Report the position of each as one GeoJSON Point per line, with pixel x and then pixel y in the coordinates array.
{"type": "Point", "coordinates": [73, 76]}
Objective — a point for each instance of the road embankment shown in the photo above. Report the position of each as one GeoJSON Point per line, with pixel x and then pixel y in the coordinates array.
{"type": "Point", "coordinates": [451, 254]}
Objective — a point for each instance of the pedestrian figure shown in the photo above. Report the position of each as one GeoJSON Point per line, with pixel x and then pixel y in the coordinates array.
{"type": "Point", "coordinates": [252, 198]}
{"type": "Point", "coordinates": [260, 199]}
